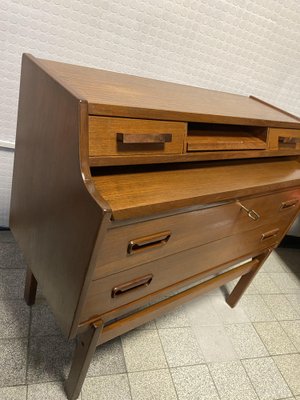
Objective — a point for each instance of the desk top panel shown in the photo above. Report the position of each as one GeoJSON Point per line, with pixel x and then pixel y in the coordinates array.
{"type": "Point", "coordinates": [110, 93]}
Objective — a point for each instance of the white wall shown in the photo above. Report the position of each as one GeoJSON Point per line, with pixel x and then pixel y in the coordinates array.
{"type": "Point", "coordinates": [241, 46]}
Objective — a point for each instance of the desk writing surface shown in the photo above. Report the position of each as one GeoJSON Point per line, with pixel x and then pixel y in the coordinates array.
{"type": "Point", "coordinates": [110, 93]}
{"type": "Point", "coordinates": [142, 193]}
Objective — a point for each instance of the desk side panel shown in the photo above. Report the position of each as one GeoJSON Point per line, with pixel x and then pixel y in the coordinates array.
{"type": "Point", "coordinates": [53, 216]}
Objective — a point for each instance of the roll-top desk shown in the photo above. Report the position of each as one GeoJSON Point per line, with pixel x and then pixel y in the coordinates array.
{"type": "Point", "coordinates": [131, 196]}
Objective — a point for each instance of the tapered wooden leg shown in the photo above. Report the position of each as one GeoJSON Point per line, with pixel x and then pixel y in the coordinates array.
{"type": "Point", "coordinates": [245, 281]}
{"type": "Point", "coordinates": [30, 287]}
{"type": "Point", "coordinates": [85, 349]}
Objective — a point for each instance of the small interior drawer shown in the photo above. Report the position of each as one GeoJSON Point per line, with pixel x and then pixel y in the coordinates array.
{"type": "Point", "coordinates": [280, 139]}
{"type": "Point", "coordinates": [125, 136]}
{"type": "Point", "coordinates": [129, 245]}
{"type": "Point", "coordinates": [108, 293]}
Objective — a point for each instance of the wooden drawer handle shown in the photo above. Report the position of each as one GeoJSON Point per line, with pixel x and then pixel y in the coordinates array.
{"type": "Point", "coordinates": [251, 213]}
{"type": "Point", "coordinates": [148, 242]}
{"type": "Point", "coordinates": [288, 204]}
{"type": "Point", "coordinates": [136, 138]}
{"type": "Point", "coordinates": [270, 234]}
{"type": "Point", "coordinates": [134, 284]}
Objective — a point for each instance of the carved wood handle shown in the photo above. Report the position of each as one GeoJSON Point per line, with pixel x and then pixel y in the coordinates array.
{"type": "Point", "coordinates": [136, 138]}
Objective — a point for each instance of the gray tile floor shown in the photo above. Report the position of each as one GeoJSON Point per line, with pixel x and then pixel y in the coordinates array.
{"type": "Point", "coordinates": [204, 350]}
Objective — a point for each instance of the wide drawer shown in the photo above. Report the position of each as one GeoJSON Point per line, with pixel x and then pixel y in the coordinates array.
{"type": "Point", "coordinates": [118, 289]}
{"type": "Point", "coordinates": [130, 245]}
{"type": "Point", "coordinates": [125, 136]}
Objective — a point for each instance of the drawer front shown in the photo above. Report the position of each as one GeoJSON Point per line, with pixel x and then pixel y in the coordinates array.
{"type": "Point", "coordinates": [127, 246]}
{"type": "Point", "coordinates": [280, 138]}
{"type": "Point", "coordinates": [118, 289]}
{"type": "Point", "coordinates": [125, 136]}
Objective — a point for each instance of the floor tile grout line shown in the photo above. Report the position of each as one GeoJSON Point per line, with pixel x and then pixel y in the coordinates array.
{"type": "Point", "coordinates": [138, 370]}
{"type": "Point", "coordinates": [258, 357]}
{"type": "Point", "coordinates": [129, 385]}
{"type": "Point", "coordinates": [267, 307]}
{"type": "Point", "coordinates": [62, 380]}
{"type": "Point", "coordinates": [255, 322]}
{"type": "Point", "coordinates": [124, 357]}
{"type": "Point", "coordinates": [126, 368]}
{"type": "Point", "coordinates": [252, 384]}
{"type": "Point", "coordinates": [176, 366]}
{"type": "Point", "coordinates": [116, 373]}
{"type": "Point", "coordinates": [28, 345]}
{"type": "Point", "coordinates": [167, 363]}
{"type": "Point", "coordinates": [215, 385]}
{"type": "Point", "coordinates": [172, 327]}
{"type": "Point", "coordinates": [3, 339]}
{"type": "Point", "coordinates": [28, 349]}
{"type": "Point", "coordinates": [276, 319]}
{"type": "Point", "coordinates": [280, 354]}
{"type": "Point", "coordinates": [291, 339]}
{"type": "Point", "coordinates": [297, 311]}
{"type": "Point", "coordinates": [240, 361]}
{"type": "Point", "coordinates": [288, 398]}
{"type": "Point", "coordinates": [261, 339]}
{"type": "Point", "coordinates": [17, 385]}
{"type": "Point", "coordinates": [282, 376]}
{"type": "Point", "coordinates": [155, 369]}
{"type": "Point", "coordinates": [245, 359]}
{"type": "Point", "coordinates": [276, 294]}
{"type": "Point", "coordinates": [123, 354]}
{"type": "Point", "coordinates": [274, 283]}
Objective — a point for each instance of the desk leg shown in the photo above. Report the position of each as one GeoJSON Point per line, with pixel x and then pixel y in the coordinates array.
{"type": "Point", "coordinates": [85, 349]}
{"type": "Point", "coordinates": [30, 288]}
{"type": "Point", "coordinates": [245, 281]}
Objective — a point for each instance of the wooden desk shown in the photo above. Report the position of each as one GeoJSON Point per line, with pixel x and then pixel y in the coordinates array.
{"type": "Point", "coordinates": [131, 196]}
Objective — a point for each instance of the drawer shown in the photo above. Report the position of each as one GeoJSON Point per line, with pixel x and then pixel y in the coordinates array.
{"type": "Point", "coordinates": [118, 289]}
{"type": "Point", "coordinates": [125, 136]}
{"type": "Point", "coordinates": [130, 245]}
{"type": "Point", "coordinates": [280, 138]}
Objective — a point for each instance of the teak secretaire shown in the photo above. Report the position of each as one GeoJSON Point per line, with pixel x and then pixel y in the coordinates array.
{"type": "Point", "coordinates": [131, 196]}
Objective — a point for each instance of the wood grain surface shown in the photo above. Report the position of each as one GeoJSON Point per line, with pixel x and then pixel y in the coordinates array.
{"type": "Point", "coordinates": [155, 310]}
{"type": "Point", "coordinates": [177, 267]}
{"type": "Point", "coordinates": [136, 194]}
{"type": "Point", "coordinates": [215, 141]}
{"type": "Point", "coordinates": [186, 230]}
{"type": "Point", "coordinates": [104, 242]}
{"type": "Point", "coordinates": [51, 209]}
{"type": "Point", "coordinates": [276, 133]}
{"type": "Point", "coordinates": [103, 136]}
{"type": "Point", "coordinates": [190, 157]}
{"type": "Point", "coordinates": [110, 93]}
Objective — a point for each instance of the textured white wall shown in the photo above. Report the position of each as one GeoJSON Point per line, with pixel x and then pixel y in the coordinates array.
{"type": "Point", "coordinates": [241, 46]}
